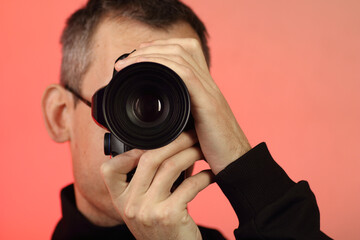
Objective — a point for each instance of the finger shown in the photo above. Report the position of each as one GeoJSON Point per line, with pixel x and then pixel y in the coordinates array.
{"type": "Point", "coordinates": [115, 169]}
{"type": "Point", "coordinates": [166, 52]}
{"type": "Point", "coordinates": [183, 60]}
{"type": "Point", "coordinates": [177, 52]}
{"type": "Point", "coordinates": [191, 45]}
{"type": "Point", "coordinates": [191, 187]}
{"type": "Point", "coordinates": [171, 169]}
{"type": "Point", "coordinates": [150, 161]}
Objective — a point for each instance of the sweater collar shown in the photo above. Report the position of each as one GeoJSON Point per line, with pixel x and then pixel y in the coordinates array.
{"type": "Point", "coordinates": [76, 223]}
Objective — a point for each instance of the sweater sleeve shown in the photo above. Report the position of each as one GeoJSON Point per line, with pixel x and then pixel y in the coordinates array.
{"type": "Point", "coordinates": [268, 204]}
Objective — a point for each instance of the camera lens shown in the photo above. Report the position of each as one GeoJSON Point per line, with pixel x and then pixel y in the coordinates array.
{"type": "Point", "coordinates": [148, 107]}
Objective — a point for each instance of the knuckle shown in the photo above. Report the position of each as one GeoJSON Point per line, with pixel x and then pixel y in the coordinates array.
{"type": "Point", "coordinates": [129, 212]}
{"type": "Point", "coordinates": [176, 48]}
{"type": "Point", "coordinates": [106, 169]}
{"type": "Point", "coordinates": [147, 158]}
{"type": "Point", "coordinates": [169, 165]}
{"type": "Point", "coordinates": [193, 42]}
{"type": "Point", "coordinates": [163, 216]}
{"type": "Point", "coordinates": [185, 219]}
{"type": "Point", "coordinates": [142, 217]}
{"type": "Point", "coordinates": [191, 183]}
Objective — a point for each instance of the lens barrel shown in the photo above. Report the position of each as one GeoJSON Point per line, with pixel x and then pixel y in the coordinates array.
{"type": "Point", "coordinates": [146, 105]}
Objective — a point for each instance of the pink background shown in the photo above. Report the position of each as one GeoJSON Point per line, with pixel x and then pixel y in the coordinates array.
{"type": "Point", "coordinates": [290, 70]}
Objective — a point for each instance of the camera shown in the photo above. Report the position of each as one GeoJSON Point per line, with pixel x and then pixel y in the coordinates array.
{"type": "Point", "coordinates": [145, 105]}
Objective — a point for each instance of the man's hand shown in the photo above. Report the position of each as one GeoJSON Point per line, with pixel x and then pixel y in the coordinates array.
{"type": "Point", "coordinates": [221, 139]}
{"type": "Point", "coordinates": [146, 204]}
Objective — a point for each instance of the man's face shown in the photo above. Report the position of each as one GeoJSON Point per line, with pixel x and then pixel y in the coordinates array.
{"type": "Point", "coordinates": [112, 39]}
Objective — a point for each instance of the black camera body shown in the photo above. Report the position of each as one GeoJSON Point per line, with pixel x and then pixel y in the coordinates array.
{"type": "Point", "coordinates": [146, 106]}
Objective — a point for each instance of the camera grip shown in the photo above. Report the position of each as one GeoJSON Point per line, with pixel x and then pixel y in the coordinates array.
{"type": "Point", "coordinates": [114, 147]}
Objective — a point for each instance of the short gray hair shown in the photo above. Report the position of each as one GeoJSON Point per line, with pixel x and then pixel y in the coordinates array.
{"type": "Point", "coordinates": [77, 36]}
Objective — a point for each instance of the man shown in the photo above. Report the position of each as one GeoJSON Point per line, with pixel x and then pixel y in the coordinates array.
{"type": "Point", "coordinates": [101, 204]}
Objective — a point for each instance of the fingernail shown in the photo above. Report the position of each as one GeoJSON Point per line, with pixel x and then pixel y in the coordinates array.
{"type": "Point", "coordinates": [124, 56]}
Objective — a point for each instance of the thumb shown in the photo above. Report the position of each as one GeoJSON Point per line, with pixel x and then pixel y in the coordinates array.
{"type": "Point", "coordinates": [115, 169]}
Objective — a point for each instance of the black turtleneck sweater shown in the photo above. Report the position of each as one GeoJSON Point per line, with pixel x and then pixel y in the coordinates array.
{"type": "Point", "coordinates": [268, 204]}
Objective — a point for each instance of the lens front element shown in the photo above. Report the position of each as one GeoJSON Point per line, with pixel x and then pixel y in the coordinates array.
{"type": "Point", "coordinates": [146, 105]}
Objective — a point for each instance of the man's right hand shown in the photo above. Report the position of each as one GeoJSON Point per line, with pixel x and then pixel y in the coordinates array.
{"type": "Point", "coordinates": [146, 204]}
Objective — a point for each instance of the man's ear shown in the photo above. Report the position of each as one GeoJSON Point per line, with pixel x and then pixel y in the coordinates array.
{"type": "Point", "coordinates": [55, 104]}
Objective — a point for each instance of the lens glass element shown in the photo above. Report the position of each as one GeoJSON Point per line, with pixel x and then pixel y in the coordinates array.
{"type": "Point", "coordinates": [148, 107]}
